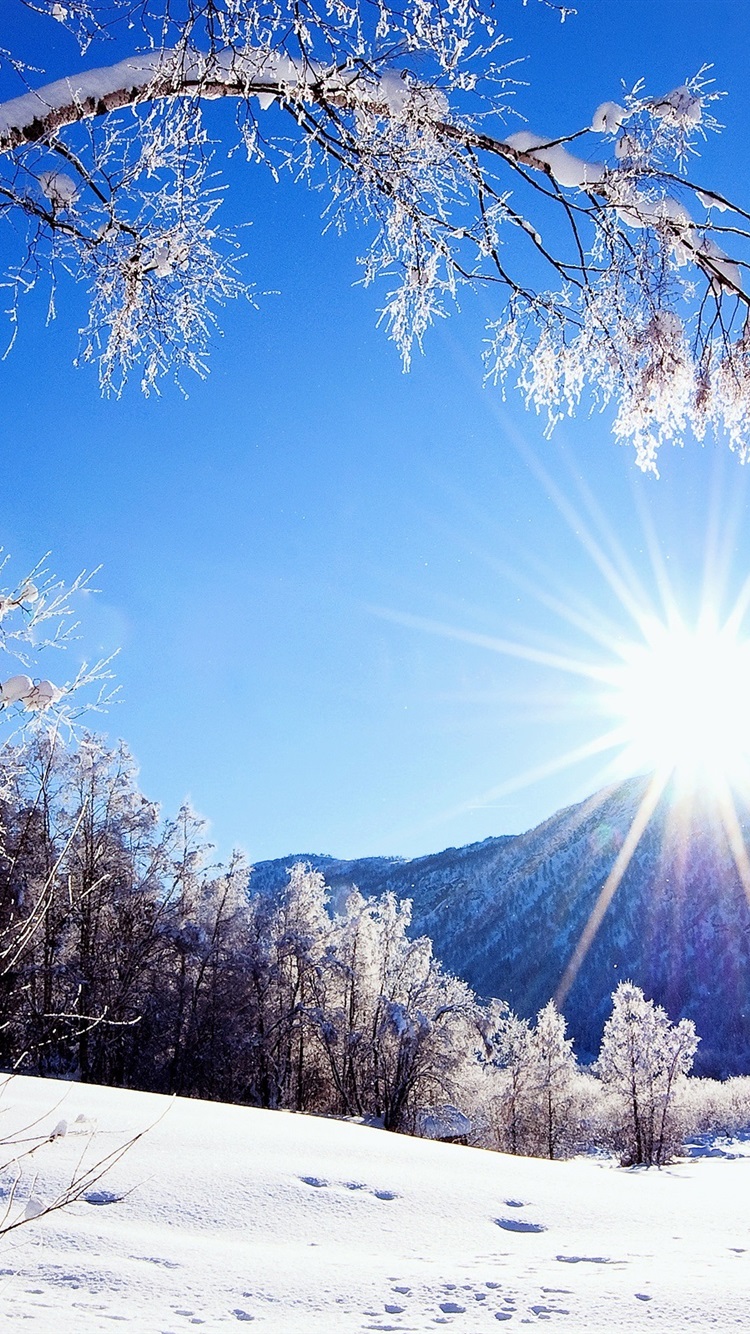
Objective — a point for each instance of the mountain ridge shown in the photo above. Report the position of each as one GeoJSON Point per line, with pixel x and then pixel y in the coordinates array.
{"type": "Point", "coordinates": [506, 913]}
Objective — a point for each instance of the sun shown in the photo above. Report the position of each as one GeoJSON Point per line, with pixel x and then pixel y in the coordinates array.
{"type": "Point", "coordinates": [681, 700]}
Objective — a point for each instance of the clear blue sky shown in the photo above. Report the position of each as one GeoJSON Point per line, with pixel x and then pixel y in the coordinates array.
{"type": "Point", "coordinates": [250, 533]}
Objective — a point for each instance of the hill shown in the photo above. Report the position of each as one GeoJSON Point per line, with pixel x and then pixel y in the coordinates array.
{"type": "Point", "coordinates": [225, 1216]}
{"type": "Point", "coordinates": [506, 914]}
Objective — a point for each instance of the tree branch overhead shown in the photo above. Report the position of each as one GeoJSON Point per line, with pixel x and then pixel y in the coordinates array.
{"type": "Point", "coordinates": [617, 279]}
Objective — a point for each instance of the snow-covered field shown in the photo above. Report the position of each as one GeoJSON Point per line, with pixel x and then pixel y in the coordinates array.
{"type": "Point", "coordinates": [224, 1216]}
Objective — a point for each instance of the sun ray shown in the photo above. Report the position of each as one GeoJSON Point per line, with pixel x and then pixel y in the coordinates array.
{"type": "Point", "coordinates": [624, 583]}
{"type": "Point", "coordinates": [604, 742]}
{"type": "Point", "coordinates": [733, 831]}
{"type": "Point", "coordinates": [612, 883]}
{"type": "Point", "coordinates": [659, 571]}
{"type": "Point", "coordinates": [507, 647]}
{"type": "Point", "coordinates": [586, 616]}
{"type": "Point", "coordinates": [658, 672]}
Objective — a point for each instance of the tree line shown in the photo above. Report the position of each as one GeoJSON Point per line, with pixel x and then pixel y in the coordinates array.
{"type": "Point", "coordinates": [129, 957]}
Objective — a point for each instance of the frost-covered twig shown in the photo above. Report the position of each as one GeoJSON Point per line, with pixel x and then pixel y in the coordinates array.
{"type": "Point", "coordinates": [20, 1148]}
{"type": "Point", "coordinates": [37, 614]}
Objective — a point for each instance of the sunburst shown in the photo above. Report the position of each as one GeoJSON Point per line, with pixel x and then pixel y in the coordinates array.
{"type": "Point", "coordinates": [671, 695]}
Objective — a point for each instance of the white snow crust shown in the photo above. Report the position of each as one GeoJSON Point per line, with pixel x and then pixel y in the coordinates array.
{"type": "Point", "coordinates": [223, 1217]}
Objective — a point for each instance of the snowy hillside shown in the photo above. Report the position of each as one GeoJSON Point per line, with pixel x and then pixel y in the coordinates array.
{"type": "Point", "coordinates": [506, 914]}
{"type": "Point", "coordinates": [225, 1216]}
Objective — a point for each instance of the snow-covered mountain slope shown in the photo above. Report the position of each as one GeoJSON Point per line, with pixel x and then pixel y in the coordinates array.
{"type": "Point", "coordinates": [223, 1216]}
{"type": "Point", "coordinates": [506, 914]}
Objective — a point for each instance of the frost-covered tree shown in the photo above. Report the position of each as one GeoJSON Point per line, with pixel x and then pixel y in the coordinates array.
{"type": "Point", "coordinates": [193, 1014]}
{"type": "Point", "coordinates": [511, 1057]}
{"type": "Point", "coordinates": [293, 964]}
{"type": "Point", "coordinates": [555, 1074]}
{"type": "Point", "coordinates": [644, 1059]}
{"type": "Point", "coordinates": [81, 878]}
{"type": "Point", "coordinates": [397, 1029]}
{"type": "Point", "coordinates": [535, 1091]}
{"type": "Point", "coordinates": [613, 270]}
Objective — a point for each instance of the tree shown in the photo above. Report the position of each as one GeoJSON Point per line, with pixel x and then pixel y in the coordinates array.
{"type": "Point", "coordinates": [554, 1076]}
{"type": "Point", "coordinates": [401, 111]}
{"type": "Point", "coordinates": [289, 966]}
{"type": "Point", "coordinates": [644, 1058]}
{"type": "Point", "coordinates": [535, 1088]}
{"type": "Point", "coordinates": [80, 942]}
{"type": "Point", "coordinates": [196, 1015]}
{"type": "Point", "coordinates": [510, 1052]}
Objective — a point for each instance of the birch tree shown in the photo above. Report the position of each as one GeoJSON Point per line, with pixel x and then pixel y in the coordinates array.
{"type": "Point", "coordinates": [616, 272]}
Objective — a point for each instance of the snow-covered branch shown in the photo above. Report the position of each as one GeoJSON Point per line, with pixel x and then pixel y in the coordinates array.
{"type": "Point", "coordinates": [635, 294]}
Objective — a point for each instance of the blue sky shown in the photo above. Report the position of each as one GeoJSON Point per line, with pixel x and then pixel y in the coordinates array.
{"type": "Point", "coordinates": [273, 544]}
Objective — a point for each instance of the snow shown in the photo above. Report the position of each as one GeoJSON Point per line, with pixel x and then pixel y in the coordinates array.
{"type": "Point", "coordinates": [566, 168]}
{"type": "Point", "coordinates": [680, 106]}
{"type": "Point", "coordinates": [709, 201]}
{"type": "Point", "coordinates": [15, 688]}
{"type": "Point", "coordinates": [223, 1216]}
{"type": "Point", "coordinates": [444, 1123]}
{"type": "Point", "coordinates": [43, 695]}
{"type": "Point", "coordinates": [59, 188]}
{"type": "Point", "coordinates": [136, 72]}
{"type": "Point", "coordinates": [638, 209]}
{"type": "Point", "coordinates": [608, 118]}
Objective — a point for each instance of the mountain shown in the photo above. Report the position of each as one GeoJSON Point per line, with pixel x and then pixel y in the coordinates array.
{"type": "Point", "coordinates": [506, 914]}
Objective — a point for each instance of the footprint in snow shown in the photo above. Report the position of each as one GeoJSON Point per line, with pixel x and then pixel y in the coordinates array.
{"type": "Point", "coordinates": [515, 1204]}
{"type": "Point", "coordinates": [519, 1225]}
{"type": "Point", "coordinates": [314, 1181]}
{"type": "Point", "coordinates": [157, 1260]}
{"type": "Point", "coordinates": [392, 1309]}
{"type": "Point", "coordinates": [643, 1297]}
{"type": "Point", "coordinates": [103, 1197]}
{"type": "Point", "coordinates": [239, 1314]}
{"type": "Point", "coordinates": [452, 1308]}
{"type": "Point", "coordinates": [583, 1259]}
{"type": "Point", "coordinates": [385, 1195]}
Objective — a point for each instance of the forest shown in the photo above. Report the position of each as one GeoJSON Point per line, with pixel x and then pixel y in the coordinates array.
{"type": "Point", "coordinates": [129, 957]}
